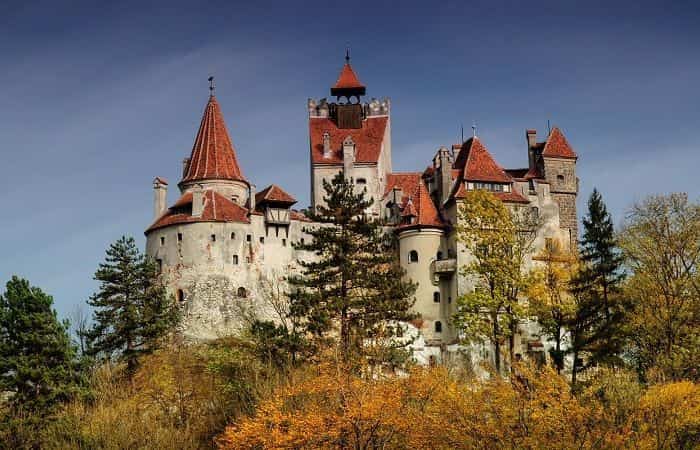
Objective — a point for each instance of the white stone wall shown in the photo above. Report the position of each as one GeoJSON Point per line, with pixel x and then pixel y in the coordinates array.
{"type": "Point", "coordinates": [204, 270]}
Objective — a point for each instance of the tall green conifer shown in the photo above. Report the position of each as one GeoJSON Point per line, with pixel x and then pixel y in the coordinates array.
{"type": "Point", "coordinates": [596, 327]}
{"type": "Point", "coordinates": [132, 312]}
{"type": "Point", "coordinates": [38, 363]}
{"type": "Point", "coordinates": [353, 292]}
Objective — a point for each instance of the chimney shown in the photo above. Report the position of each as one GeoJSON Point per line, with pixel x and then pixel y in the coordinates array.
{"type": "Point", "coordinates": [326, 145]}
{"type": "Point", "coordinates": [197, 200]}
{"type": "Point", "coordinates": [160, 196]}
{"type": "Point", "coordinates": [348, 156]}
{"type": "Point", "coordinates": [185, 163]}
{"type": "Point", "coordinates": [444, 173]}
{"type": "Point", "coordinates": [251, 197]}
{"type": "Point", "coordinates": [531, 136]}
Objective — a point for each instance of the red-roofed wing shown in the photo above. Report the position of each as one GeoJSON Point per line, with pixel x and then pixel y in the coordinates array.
{"type": "Point", "coordinates": [557, 146]}
{"type": "Point", "coordinates": [213, 155]}
{"type": "Point", "coordinates": [477, 164]}
{"type": "Point", "coordinates": [368, 140]}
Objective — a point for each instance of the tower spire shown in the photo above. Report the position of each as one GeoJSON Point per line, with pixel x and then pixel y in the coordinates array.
{"type": "Point", "coordinates": [347, 54]}
{"type": "Point", "coordinates": [211, 85]}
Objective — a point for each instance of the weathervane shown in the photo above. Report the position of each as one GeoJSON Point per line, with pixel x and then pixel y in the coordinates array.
{"type": "Point", "coordinates": [347, 53]}
{"type": "Point", "coordinates": [211, 85]}
{"type": "Point", "coordinates": [474, 129]}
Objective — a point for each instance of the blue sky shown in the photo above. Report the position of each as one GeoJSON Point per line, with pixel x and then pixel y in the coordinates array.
{"type": "Point", "coordinates": [97, 99]}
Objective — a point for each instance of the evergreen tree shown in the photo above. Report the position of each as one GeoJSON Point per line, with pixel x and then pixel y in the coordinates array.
{"type": "Point", "coordinates": [354, 289]}
{"type": "Point", "coordinates": [597, 323]}
{"type": "Point", "coordinates": [38, 362]}
{"type": "Point", "coordinates": [131, 310]}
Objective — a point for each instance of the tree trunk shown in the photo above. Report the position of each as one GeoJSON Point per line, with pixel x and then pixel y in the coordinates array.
{"type": "Point", "coordinates": [574, 370]}
{"type": "Point", "coordinates": [496, 346]}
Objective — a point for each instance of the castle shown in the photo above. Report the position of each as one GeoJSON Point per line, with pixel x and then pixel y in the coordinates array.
{"type": "Point", "coordinates": [223, 242]}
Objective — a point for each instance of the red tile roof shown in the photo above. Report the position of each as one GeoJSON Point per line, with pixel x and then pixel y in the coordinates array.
{"type": "Point", "coordinates": [557, 146]}
{"type": "Point", "coordinates": [161, 180]}
{"type": "Point", "coordinates": [477, 164]}
{"type": "Point", "coordinates": [368, 140]}
{"type": "Point", "coordinates": [274, 194]}
{"type": "Point", "coordinates": [407, 182]}
{"type": "Point", "coordinates": [347, 79]}
{"type": "Point", "coordinates": [298, 215]}
{"type": "Point", "coordinates": [427, 212]}
{"type": "Point", "coordinates": [217, 208]}
{"type": "Point", "coordinates": [511, 197]}
{"type": "Point", "coordinates": [213, 155]}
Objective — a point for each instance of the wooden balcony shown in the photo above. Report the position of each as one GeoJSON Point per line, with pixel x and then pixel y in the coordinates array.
{"type": "Point", "coordinates": [444, 266]}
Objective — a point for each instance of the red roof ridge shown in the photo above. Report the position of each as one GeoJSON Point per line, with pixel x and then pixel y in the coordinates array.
{"type": "Point", "coordinates": [556, 146]}
{"type": "Point", "coordinates": [368, 139]}
{"type": "Point", "coordinates": [213, 155]}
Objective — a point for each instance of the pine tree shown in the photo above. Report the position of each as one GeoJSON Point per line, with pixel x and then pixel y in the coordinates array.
{"type": "Point", "coordinates": [38, 362]}
{"type": "Point", "coordinates": [132, 312]}
{"type": "Point", "coordinates": [353, 292]}
{"type": "Point", "coordinates": [597, 324]}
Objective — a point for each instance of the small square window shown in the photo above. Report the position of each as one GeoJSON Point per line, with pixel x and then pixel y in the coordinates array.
{"type": "Point", "coordinates": [162, 240]}
{"type": "Point", "coordinates": [248, 237]}
{"type": "Point", "coordinates": [179, 237]}
{"type": "Point", "coordinates": [213, 238]}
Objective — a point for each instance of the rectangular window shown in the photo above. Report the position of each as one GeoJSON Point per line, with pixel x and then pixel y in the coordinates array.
{"type": "Point", "coordinates": [247, 259]}
{"type": "Point", "coordinates": [235, 259]}
{"type": "Point", "coordinates": [162, 240]}
{"type": "Point", "coordinates": [213, 238]}
{"type": "Point", "coordinates": [233, 235]}
{"type": "Point", "coordinates": [248, 238]}
{"type": "Point", "coordinates": [262, 240]}
{"type": "Point", "coordinates": [179, 237]}
{"type": "Point", "coordinates": [159, 262]}
{"type": "Point", "coordinates": [284, 242]}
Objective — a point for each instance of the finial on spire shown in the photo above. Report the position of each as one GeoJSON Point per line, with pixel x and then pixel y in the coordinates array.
{"type": "Point", "coordinates": [347, 53]}
{"type": "Point", "coordinates": [474, 128]}
{"type": "Point", "coordinates": [211, 85]}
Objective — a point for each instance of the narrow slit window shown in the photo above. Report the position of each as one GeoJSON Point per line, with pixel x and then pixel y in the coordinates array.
{"type": "Point", "coordinates": [438, 327]}
{"type": "Point", "coordinates": [213, 238]}
{"type": "Point", "coordinates": [235, 259]}
{"type": "Point", "coordinates": [179, 237]}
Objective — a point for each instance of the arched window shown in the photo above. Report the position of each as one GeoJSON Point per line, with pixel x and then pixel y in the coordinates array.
{"type": "Point", "coordinates": [242, 292]}
{"type": "Point", "coordinates": [438, 327]}
{"type": "Point", "coordinates": [413, 256]}
{"type": "Point", "coordinates": [436, 297]}
{"type": "Point", "coordinates": [235, 259]}
{"type": "Point", "coordinates": [180, 296]}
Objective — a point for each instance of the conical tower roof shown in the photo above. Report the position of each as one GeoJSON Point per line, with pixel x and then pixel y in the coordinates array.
{"type": "Point", "coordinates": [213, 155]}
